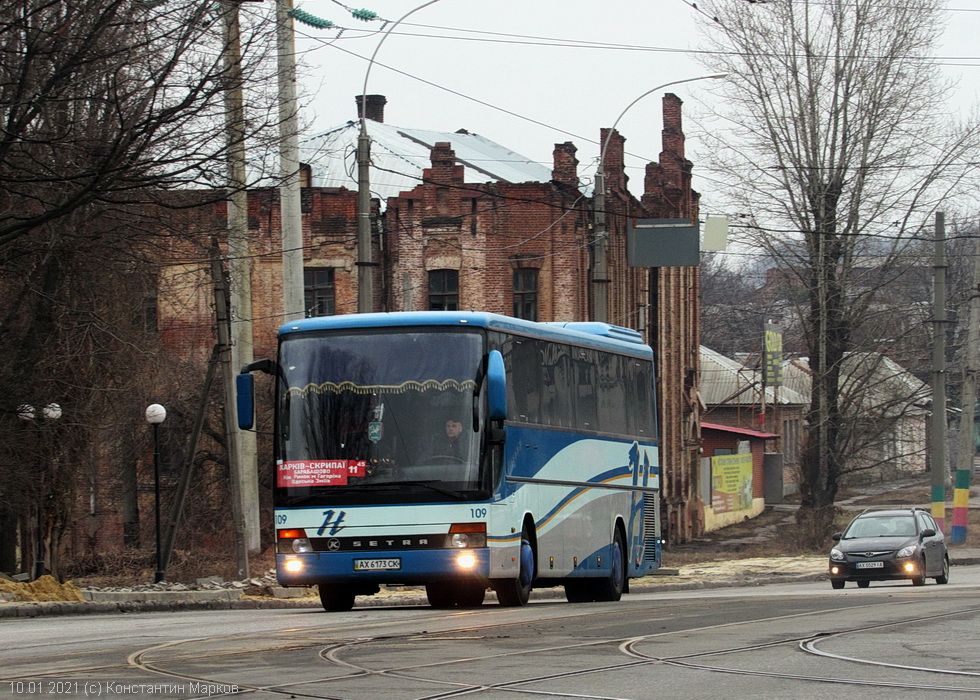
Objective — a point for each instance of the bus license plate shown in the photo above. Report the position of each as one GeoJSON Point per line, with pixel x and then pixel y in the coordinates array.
{"type": "Point", "coordinates": [870, 564]}
{"type": "Point", "coordinates": [377, 564]}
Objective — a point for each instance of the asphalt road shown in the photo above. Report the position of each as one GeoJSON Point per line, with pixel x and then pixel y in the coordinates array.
{"type": "Point", "coordinates": [800, 640]}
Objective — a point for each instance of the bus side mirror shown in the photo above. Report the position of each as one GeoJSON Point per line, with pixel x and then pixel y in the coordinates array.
{"type": "Point", "coordinates": [245, 400]}
{"type": "Point", "coordinates": [496, 386]}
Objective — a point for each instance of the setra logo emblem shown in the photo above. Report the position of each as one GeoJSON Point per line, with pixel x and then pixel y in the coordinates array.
{"type": "Point", "coordinates": [333, 545]}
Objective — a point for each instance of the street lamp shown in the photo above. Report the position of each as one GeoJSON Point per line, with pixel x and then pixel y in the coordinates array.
{"type": "Point", "coordinates": [155, 415]}
{"type": "Point", "coordinates": [365, 294]}
{"type": "Point", "coordinates": [51, 412]}
{"type": "Point", "coordinates": [599, 271]}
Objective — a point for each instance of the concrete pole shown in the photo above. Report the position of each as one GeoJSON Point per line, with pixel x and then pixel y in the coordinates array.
{"type": "Point", "coordinates": [291, 214]}
{"type": "Point", "coordinates": [971, 363]}
{"type": "Point", "coordinates": [937, 451]}
{"type": "Point", "coordinates": [365, 262]}
{"type": "Point", "coordinates": [600, 242]}
{"type": "Point", "coordinates": [240, 269]}
{"type": "Point", "coordinates": [231, 425]}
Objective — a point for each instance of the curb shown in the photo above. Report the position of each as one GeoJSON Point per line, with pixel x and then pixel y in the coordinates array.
{"type": "Point", "coordinates": [173, 601]}
{"type": "Point", "coordinates": [108, 602]}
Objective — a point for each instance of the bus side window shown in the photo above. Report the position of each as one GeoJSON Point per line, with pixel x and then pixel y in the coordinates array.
{"type": "Point", "coordinates": [586, 411]}
{"type": "Point", "coordinates": [556, 409]}
{"type": "Point", "coordinates": [526, 380]}
{"type": "Point", "coordinates": [612, 405]}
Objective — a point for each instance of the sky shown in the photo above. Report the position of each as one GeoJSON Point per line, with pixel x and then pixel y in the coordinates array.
{"type": "Point", "coordinates": [500, 73]}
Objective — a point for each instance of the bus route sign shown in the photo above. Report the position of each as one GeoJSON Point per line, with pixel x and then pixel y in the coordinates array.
{"type": "Point", "coordinates": [318, 472]}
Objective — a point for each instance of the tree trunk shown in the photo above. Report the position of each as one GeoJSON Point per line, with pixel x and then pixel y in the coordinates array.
{"type": "Point", "coordinates": [130, 505]}
{"type": "Point", "coordinates": [8, 541]}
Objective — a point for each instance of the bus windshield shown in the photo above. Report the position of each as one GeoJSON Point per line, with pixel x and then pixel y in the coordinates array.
{"type": "Point", "coordinates": [371, 417]}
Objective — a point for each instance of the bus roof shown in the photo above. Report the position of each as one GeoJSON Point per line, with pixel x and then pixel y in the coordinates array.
{"type": "Point", "coordinates": [602, 336]}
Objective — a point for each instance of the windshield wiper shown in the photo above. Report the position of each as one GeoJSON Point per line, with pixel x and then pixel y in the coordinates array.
{"type": "Point", "coordinates": [428, 484]}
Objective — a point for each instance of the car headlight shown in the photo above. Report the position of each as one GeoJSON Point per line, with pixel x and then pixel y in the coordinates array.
{"type": "Point", "coordinates": [906, 551]}
{"type": "Point", "coordinates": [836, 554]}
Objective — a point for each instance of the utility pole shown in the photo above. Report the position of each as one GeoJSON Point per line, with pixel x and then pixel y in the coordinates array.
{"type": "Point", "coordinates": [600, 272]}
{"type": "Point", "coordinates": [183, 486]}
{"type": "Point", "coordinates": [231, 425]}
{"type": "Point", "coordinates": [937, 451]}
{"type": "Point", "coordinates": [240, 268]}
{"type": "Point", "coordinates": [365, 264]}
{"type": "Point", "coordinates": [291, 214]}
{"type": "Point", "coordinates": [968, 397]}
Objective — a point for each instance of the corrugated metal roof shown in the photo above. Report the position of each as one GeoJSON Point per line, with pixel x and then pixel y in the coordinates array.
{"type": "Point", "coordinates": [739, 431]}
{"type": "Point", "coordinates": [398, 156]}
{"type": "Point", "coordinates": [881, 382]}
{"type": "Point", "coordinates": [727, 382]}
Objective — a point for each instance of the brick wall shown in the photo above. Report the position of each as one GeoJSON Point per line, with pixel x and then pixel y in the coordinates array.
{"type": "Point", "coordinates": [485, 231]}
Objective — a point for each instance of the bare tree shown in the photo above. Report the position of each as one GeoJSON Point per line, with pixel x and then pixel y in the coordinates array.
{"type": "Point", "coordinates": [839, 155]}
{"type": "Point", "coordinates": [105, 101]}
{"type": "Point", "coordinates": [110, 110]}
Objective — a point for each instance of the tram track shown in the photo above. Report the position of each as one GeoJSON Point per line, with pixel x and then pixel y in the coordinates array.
{"type": "Point", "coordinates": [338, 654]}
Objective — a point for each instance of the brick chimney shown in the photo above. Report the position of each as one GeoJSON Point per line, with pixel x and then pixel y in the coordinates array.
{"type": "Point", "coordinates": [375, 107]}
{"type": "Point", "coordinates": [672, 158]}
{"type": "Point", "coordinates": [565, 168]}
{"type": "Point", "coordinates": [613, 160]}
{"type": "Point", "coordinates": [673, 133]}
{"type": "Point", "coordinates": [667, 184]}
{"type": "Point", "coordinates": [444, 170]}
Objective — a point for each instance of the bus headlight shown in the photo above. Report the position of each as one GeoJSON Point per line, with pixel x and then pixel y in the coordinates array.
{"type": "Point", "coordinates": [463, 535]}
{"type": "Point", "coordinates": [293, 566]}
{"type": "Point", "coordinates": [302, 545]}
{"type": "Point", "coordinates": [461, 540]}
{"type": "Point", "coordinates": [466, 561]}
{"type": "Point", "coordinates": [293, 541]}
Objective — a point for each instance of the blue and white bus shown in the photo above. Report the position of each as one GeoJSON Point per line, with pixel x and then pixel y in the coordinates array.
{"type": "Point", "coordinates": [552, 479]}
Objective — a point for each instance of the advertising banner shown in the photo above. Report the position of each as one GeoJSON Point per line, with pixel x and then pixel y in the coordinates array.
{"type": "Point", "coordinates": [731, 483]}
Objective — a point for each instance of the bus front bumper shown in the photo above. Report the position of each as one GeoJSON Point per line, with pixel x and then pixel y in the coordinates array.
{"type": "Point", "coordinates": [398, 566]}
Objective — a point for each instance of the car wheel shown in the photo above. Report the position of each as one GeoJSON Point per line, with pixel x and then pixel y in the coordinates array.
{"type": "Point", "coordinates": [336, 598]}
{"type": "Point", "coordinates": [864, 584]}
{"type": "Point", "coordinates": [944, 577]}
{"type": "Point", "coordinates": [836, 584]}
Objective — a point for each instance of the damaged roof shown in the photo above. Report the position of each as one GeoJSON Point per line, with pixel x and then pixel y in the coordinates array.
{"type": "Point", "coordinates": [398, 156]}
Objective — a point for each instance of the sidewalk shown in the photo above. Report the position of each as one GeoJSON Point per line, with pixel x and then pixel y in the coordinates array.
{"type": "Point", "coordinates": [704, 575]}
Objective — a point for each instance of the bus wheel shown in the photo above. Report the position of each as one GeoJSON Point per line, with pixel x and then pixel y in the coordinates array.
{"type": "Point", "coordinates": [611, 588]}
{"type": "Point", "coordinates": [455, 594]}
{"type": "Point", "coordinates": [515, 592]}
{"type": "Point", "coordinates": [336, 598]}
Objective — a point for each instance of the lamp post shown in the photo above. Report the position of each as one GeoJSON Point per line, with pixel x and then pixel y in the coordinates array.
{"type": "Point", "coordinates": [155, 415]}
{"type": "Point", "coordinates": [365, 263]}
{"type": "Point", "coordinates": [600, 277]}
{"type": "Point", "coordinates": [50, 412]}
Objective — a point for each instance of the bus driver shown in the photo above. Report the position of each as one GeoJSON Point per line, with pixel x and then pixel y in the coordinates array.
{"type": "Point", "coordinates": [451, 444]}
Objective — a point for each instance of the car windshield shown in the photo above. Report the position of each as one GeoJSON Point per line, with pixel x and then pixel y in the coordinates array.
{"type": "Point", "coordinates": [379, 415]}
{"type": "Point", "coordinates": [881, 526]}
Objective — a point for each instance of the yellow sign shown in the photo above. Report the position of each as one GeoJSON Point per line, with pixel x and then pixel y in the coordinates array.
{"type": "Point", "coordinates": [731, 483]}
{"type": "Point", "coordinates": [772, 367]}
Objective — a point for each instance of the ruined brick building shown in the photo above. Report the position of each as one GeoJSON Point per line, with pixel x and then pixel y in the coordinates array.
{"type": "Point", "coordinates": [473, 226]}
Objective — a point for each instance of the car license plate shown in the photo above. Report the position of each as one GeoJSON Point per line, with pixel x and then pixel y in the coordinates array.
{"type": "Point", "coordinates": [377, 564]}
{"type": "Point", "coordinates": [871, 565]}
